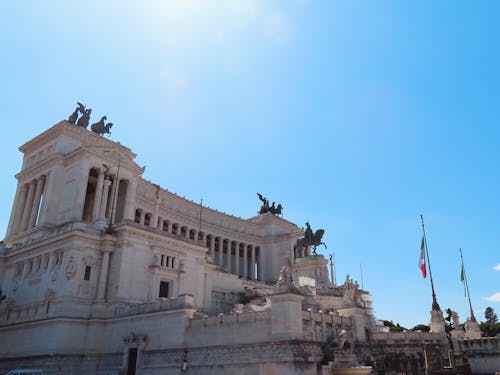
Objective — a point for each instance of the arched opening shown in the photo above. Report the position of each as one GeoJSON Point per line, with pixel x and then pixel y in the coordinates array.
{"type": "Point", "coordinates": [147, 219]}
{"type": "Point", "coordinates": [137, 216]}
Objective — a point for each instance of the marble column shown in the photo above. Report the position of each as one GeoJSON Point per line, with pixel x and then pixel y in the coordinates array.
{"type": "Point", "coordinates": [212, 250]}
{"type": "Point", "coordinates": [104, 201]}
{"type": "Point", "coordinates": [260, 264]}
{"type": "Point", "coordinates": [28, 205]}
{"type": "Point", "coordinates": [229, 256]}
{"type": "Point", "coordinates": [245, 261]}
{"type": "Point", "coordinates": [36, 201]}
{"type": "Point", "coordinates": [252, 264]}
{"type": "Point", "coordinates": [19, 208]}
{"type": "Point", "coordinates": [237, 259]}
{"type": "Point", "coordinates": [114, 196]}
{"type": "Point", "coordinates": [98, 196]}
{"type": "Point", "coordinates": [221, 252]}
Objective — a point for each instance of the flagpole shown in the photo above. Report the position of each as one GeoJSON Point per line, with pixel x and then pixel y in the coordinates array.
{"type": "Point", "coordinates": [472, 317]}
{"type": "Point", "coordinates": [435, 304]}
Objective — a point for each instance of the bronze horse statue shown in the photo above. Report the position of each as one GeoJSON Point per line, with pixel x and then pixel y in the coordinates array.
{"type": "Point", "coordinates": [100, 127]}
{"type": "Point", "coordinates": [313, 240]}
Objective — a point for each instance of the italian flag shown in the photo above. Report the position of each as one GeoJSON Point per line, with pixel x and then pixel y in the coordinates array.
{"type": "Point", "coordinates": [421, 260]}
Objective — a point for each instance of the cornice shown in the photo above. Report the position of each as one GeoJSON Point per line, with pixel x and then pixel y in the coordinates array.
{"type": "Point", "coordinates": [53, 237]}
{"type": "Point", "coordinates": [133, 232]}
{"type": "Point", "coordinates": [87, 138]}
{"type": "Point", "coordinates": [40, 167]}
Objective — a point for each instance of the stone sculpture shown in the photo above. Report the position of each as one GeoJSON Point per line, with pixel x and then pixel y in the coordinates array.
{"type": "Point", "coordinates": [74, 116]}
{"type": "Point", "coordinates": [265, 208]}
{"type": "Point", "coordinates": [311, 238]}
{"type": "Point", "coordinates": [285, 276]}
{"type": "Point", "coordinates": [101, 127]}
{"type": "Point", "coordinates": [85, 118]}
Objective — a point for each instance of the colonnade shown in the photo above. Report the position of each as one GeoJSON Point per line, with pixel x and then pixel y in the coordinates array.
{"type": "Point", "coordinates": [239, 258]}
{"type": "Point", "coordinates": [102, 197]}
{"type": "Point", "coordinates": [27, 205]}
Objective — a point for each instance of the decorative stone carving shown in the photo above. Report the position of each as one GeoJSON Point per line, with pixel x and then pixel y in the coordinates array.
{"type": "Point", "coordinates": [350, 288]}
{"type": "Point", "coordinates": [285, 276]}
{"type": "Point", "coordinates": [70, 268]}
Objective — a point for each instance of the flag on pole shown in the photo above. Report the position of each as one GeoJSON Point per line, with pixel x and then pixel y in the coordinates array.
{"type": "Point", "coordinates": [462, 278]}
{"type": "Point", "coordinates": [421, 260]}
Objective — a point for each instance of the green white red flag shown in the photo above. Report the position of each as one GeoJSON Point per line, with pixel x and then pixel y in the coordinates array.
{"type": "Point", "coordinates": [421, 260]}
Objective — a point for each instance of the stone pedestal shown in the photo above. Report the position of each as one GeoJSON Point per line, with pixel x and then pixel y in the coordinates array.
{"type": "Point", "coordinates": [437, 322]}
{"type": "Point", "coordinates": [359, 321]}
{"type": "Point", "coordinates": [458, 333]}
{"type": "Point", "coordinates": [472, 330]}
{"type": "Point", "coordinates": [314, 267]}
{"type": "Point", "coordinates": [286, 318]}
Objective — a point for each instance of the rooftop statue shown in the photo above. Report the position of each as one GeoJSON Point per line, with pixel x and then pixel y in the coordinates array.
{"type": "Point", "coordinates": [311, 238]}
{"type": "Point", "coordinates": [100, 127]}
{"type": "Point", "coordinates": [74, 116]}
{"type": "Point", "coordinates": [265, 208]}
{"type": "Point", "coordinates": [85, 118]}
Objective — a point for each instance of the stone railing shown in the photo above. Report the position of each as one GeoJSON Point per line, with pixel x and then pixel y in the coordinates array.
{"type": "Point", "coordinates": [184, 301]}
{"type": "Point", "coordinates": [235, 318]}
{"type": "Point", "coordinates": [319, 326]}
{"type": "Point", "coordinates": [42, 233]}
{"type": "Point", "coordinates": [484, 345]}
{"type": "Point", "coordinates": [409, 337]}
{"type": "Point", "coordinates": [19, 314]}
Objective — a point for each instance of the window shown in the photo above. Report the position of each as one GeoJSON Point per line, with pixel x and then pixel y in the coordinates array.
{"type": "Point", "coordinates": [87, 273]}
{"type": "Point", "coordinates": [164, 289]}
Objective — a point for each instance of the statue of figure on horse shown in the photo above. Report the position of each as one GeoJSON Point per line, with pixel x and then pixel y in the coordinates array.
{"type": "Point", "coordinates": [311, 238]}
{"type": "Point", "coordinates": [101, 127]}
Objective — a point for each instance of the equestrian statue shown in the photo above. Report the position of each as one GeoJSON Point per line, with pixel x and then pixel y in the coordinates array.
{"type": "Point", "coordinates": [311, 238]}
{"type": "Point", "coordinates": [100, 127]}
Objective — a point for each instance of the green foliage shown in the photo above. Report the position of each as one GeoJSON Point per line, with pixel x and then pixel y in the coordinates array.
{"type": "Point", "coordinates": [394, 327]}
{"type": "Point", "coordinates": [490, 315]}
{"type": "Point", "coordinates": [421, 327]}
{"type": "Point", "coordinates": [490, 329]}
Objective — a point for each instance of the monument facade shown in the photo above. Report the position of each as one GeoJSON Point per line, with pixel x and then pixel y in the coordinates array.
{"type": "Point", "coordinates": [107, 273]}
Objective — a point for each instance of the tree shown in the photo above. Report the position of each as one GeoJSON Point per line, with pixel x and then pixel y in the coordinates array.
{"type": "Point", "coordinates": [490, 315]}
{"type": "Point", "coordinates": [393, 327]}
{"type": "Point", "coordinates": [421, 327]}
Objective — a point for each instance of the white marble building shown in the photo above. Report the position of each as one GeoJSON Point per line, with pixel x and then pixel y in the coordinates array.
{"type": "Point", "coordinates": [107, 273]}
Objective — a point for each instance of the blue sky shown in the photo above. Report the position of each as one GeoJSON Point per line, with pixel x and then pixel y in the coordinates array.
{"type": "Point", "coordinates": [357, 116]}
